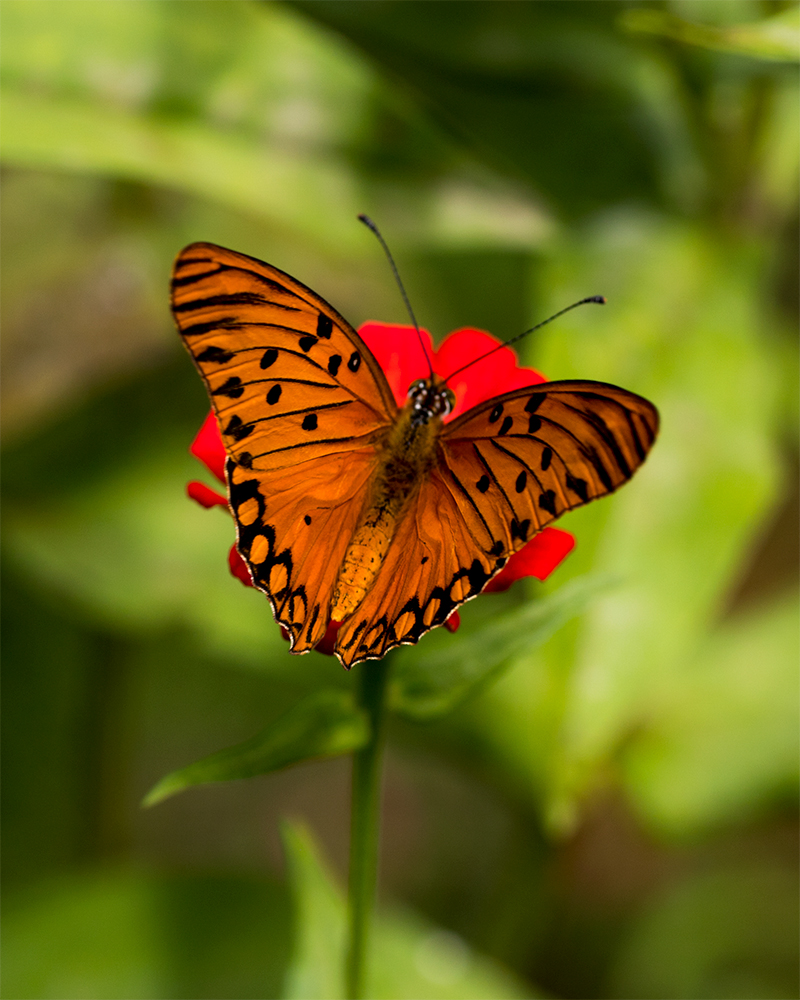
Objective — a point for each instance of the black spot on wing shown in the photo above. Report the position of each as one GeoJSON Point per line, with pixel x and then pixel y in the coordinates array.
{"type": "Point", "coordinates": [274, 394]}
{"type": "Point", "coordinates": [354, 361]}
{"type": "Point", "coordinates": [215, 355]}
{"type": "Point", "coordinates": [237, 430]}
{"type": "Point", "coordinates": [547, 457]}
{"type": "Point", "coordinates": [483, 484]}
{"type": "Point", "coordinates": [535, 401]}
{"type": "Point", "coordinates": [547, 501]}
{"type": "Point", "coordinates": [307, 342]}
{"type": "Point", "coordinates": [324, 326]}
{"type": "Point", "coordinates": [477, 576]}
{"type": "Point", "coordinates": [233, 388]}
{"type": "Point", "coordinates": [310, 422]}
{"type": "Point", "coordinates": [577, 486]}
{"type": "Point", "coordinates": [268, 358]}
{"type": "Point", "coordinates": [505, 427]}
{"type": "Point", "coordinates": [520, 529]}
{"type": "Point", "coordinates": [522, 479]}
{"type": "Point", "coordinates": [333, 364]}
{"type": "Point", "coordinates": [307, 519]}
{"type": "Point", "coordinates": [534, 424]}
{"type": "Point", "coordinates": [496, 413]}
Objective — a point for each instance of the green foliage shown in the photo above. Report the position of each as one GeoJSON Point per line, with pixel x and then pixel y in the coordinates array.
{"type": "Point", "coordinates": [430, 685]}
{"type": "Point", "coordinates": [325, 724]}
{"type": "Point", "coordinates": [776, 37]}
{"type": "Point", "coordinates": [517, 157]}
{"type": "Point", "coordinates": [130, 933]}
{"type": "Point", "coordinates": [700, 939]}
{"type": "Point", "coordinates": [726, 741]}
{"type": "Point", "coordinates": [410, 957]}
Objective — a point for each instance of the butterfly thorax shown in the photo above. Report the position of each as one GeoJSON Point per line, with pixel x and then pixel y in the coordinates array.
{"type": "Point", "coordinates": [403, 463]}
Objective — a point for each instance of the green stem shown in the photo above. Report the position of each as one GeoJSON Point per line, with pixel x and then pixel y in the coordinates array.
{"type": "Point", "coordinates": [365, 821]}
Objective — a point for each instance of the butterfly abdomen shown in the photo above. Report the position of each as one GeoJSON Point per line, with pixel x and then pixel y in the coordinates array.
{"type": "Point", "coordinates": [406, 459]}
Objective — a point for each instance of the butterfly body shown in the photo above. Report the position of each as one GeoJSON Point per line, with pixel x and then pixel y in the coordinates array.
{"type": "Point", "coordinates": [353, 508]}
{"type": "Point", "coordinates": [406, 459]}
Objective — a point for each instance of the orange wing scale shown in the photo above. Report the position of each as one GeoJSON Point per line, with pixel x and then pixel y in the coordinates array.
{"type": "Point", "coordinates": [519, 461]}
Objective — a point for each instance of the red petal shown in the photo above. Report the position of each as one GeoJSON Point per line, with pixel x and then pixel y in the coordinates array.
{"type": "Point", "coordinates": [538, 558]}
{"type": "Point", "coordinates": [205, 496]}
{"type": "Point", "coordinates": [453, 622]}
{"type": "Point", "coordinates": [208, 447]}
{"type": "Point", "coordinates": [398, 351]}
{"type": "Point", "coordinates": [496, 374]}
{"type": "Point", "coordinates": [238, 567]}
{"type": "Point", "coordinates": [328, 641]}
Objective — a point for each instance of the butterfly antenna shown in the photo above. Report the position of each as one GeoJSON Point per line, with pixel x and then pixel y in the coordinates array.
{"type": "Point", "coordinates": [599, 299]}
{"type": "Point", "coordinates": [371, 225]}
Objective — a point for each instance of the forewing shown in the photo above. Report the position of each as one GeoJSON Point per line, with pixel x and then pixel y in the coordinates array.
{"type": "Point", "coordinates": [288, 377]}
{"type": "Point", "coordinates": [519, 461]}
{"type": "Point", "coordinates": [302, 406]}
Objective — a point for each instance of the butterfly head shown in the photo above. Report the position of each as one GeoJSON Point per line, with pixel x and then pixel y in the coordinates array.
{"type": "Point", "coordinates": [430, 397]}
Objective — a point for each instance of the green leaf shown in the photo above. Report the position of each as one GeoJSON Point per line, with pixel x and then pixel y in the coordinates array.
{"type": "Point", "coordinates": [728, 933]}
{"type": "Point", "coordinates": [121, 932]}
{"type": "Point", "coordinates": [776, 37]}
{"type": "Point", "coordinates": [325, 724]}
{"type": "Point", "coordinates": [410, 957]}
{"type": "Point", "coordinates": [316, 969]}
{"type": "Point", "coordinates": [426, 686]}
{"type": "Point", "coordinates": [214, 107]}
{"type": "Point", "coordinates": [680, 532]}
{"type": "Point", "coordinates": [725, 741]}
{"type": "Point", "coordinates": [197, 105]}
{"type": "Point", "coordinates": [311, 195]}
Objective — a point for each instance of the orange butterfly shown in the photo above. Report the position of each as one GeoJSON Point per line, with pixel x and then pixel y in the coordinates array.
{"type": "Point", "coordinates": [350, 509]}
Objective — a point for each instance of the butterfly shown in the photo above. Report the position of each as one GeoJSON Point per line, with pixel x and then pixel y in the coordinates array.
{"type": "Point", "coordinates": [351, 509]}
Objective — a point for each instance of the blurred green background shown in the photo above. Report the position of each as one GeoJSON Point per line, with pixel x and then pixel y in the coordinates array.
{"type": "Point", "coordinates": [617, 815]}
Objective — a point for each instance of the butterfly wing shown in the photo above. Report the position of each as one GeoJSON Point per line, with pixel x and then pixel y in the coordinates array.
{"type": "Point", "coordinates": [506, 468]}
{"type": "Point", "coordinates": [302, 406]}
{"type": "Point", "coordinates": [432, 566]}
{"type": "Point", "coordinates": [522, 460]}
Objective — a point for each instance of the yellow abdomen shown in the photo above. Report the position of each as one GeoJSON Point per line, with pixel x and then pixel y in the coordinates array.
{"type": "Point", "coordinates": [363, 559]}
{"type": "Point", "coordinates": [405, 460]}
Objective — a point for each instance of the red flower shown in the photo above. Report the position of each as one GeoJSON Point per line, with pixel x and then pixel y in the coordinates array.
{"type": "Point", "coordinates": [400, 355]}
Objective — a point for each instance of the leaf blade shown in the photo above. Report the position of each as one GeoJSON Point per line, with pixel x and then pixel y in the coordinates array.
{"type": "Point", "coordinates": [325, 724]}
{"type": "Point", "coordinates": [427, 687]}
